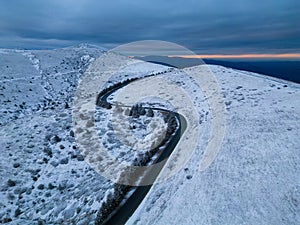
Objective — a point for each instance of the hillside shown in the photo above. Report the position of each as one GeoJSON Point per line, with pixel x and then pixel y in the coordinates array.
{"type": "Point", "coordinates": [255, 178]}
{"type": "Point", "coordinates": [46, 179]}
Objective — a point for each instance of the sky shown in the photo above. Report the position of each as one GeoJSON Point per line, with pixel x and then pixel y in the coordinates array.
{"type": "Point", "coordinates": [204, 26]}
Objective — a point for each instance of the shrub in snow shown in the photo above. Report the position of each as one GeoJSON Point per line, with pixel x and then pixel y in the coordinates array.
{"type": "Point", "coordinates": [110, 202]}
{"type": "Point", "coordinates": [7, 220]}
{"type": "Point", "coordinates": [72, 133]}
{"type": "Point", "coordinates": [134, 111]}
{"type": "Point", "coordinates": [67, 106]}
{"type": "Point", "coordinates": [56, 139]}
{"type": "Point", "coordinates": [189, 177]}
{"type": "Point", "coordinates": [118, 108]}
{"type": "Point", "coordinates": [11, 183]}
{"type": "Point", "coordinates": [51, 186]}
{"type": "Point", "coordinates": [18, 212]}
{"type": "Point", "coordinates": [105, 105]}
{"type": "Point", "coordinates": [41, 187]}
{"type": "Point", "coordinates": [16, 165]}
{"type": "Point", "coordinates": [142, 111]}
{"type": "Point", "coordinates": [80, 157]}
{"type": "Point", "coordinates": [150, 113]}
{"type": "Point", "coordinates": [127, 112]}
{"type": "Point", "coordinates": [64, 161]}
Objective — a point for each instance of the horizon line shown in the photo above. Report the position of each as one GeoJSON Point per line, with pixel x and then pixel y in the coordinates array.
{"type": "Point", "coordinates": [239, 56]}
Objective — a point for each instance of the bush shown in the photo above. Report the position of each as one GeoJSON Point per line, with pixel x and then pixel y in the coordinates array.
{"type": "Point", "coordinates": [11, 183]}
{"type": "Point", "coordinates": [56, 139]}
{"type": "Point", "coordinates": [18, 212]}
{"type": "Point", "coordinates": [150, 113]}
{"type": "Point", "coordinates": [41, 187]}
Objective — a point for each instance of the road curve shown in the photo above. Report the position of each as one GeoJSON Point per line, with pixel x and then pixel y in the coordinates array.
{"type": "Point", "coordinates": [123, 212]}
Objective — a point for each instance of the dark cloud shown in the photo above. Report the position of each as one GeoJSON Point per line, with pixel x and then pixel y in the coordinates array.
{"type": "Point", "coordinates": [225, 26]}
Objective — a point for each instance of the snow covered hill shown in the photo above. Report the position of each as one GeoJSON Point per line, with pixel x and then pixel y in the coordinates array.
{"type": "Point", "coordinates": [44, 179]}
{"type": "Point", "coordinates": [43, 175]}
{"type": "Point", "coordinates": [255, 178]}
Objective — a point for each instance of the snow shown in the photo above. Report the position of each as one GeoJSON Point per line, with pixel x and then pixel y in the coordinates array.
{"type": "Point", "coordinates": [121, 140]}
{"type": "Point", "coordinates": [44, 177]}
{"type": "Point", "coordinates": [50, 181]}
{"type": "Point", "coordinates": [255, 178]}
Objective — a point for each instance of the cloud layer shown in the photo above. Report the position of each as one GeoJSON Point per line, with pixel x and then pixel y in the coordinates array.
{"type": "Point", "coordinates": [220, 27]}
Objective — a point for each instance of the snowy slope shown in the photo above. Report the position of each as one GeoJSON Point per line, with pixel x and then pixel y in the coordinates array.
{"type": "Point", "coordinates": [45, 180]}
{"type": "Point", "coordinates": [255, 178]}
{"type": "Point", "coordinates": [43, 176]}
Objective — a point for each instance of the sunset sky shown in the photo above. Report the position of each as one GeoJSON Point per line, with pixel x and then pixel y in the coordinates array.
{"type": "Point", "coordinates": [207, 27]}
{"type": "Point", "coordinates": [244, 56]}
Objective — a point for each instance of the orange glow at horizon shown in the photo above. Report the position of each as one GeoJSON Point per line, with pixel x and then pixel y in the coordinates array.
{"type": "Point", "coordinates": [242, 56]}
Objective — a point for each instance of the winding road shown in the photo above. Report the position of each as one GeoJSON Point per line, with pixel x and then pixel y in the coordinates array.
{"type": "Point", "coordinates": [124, 211]}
